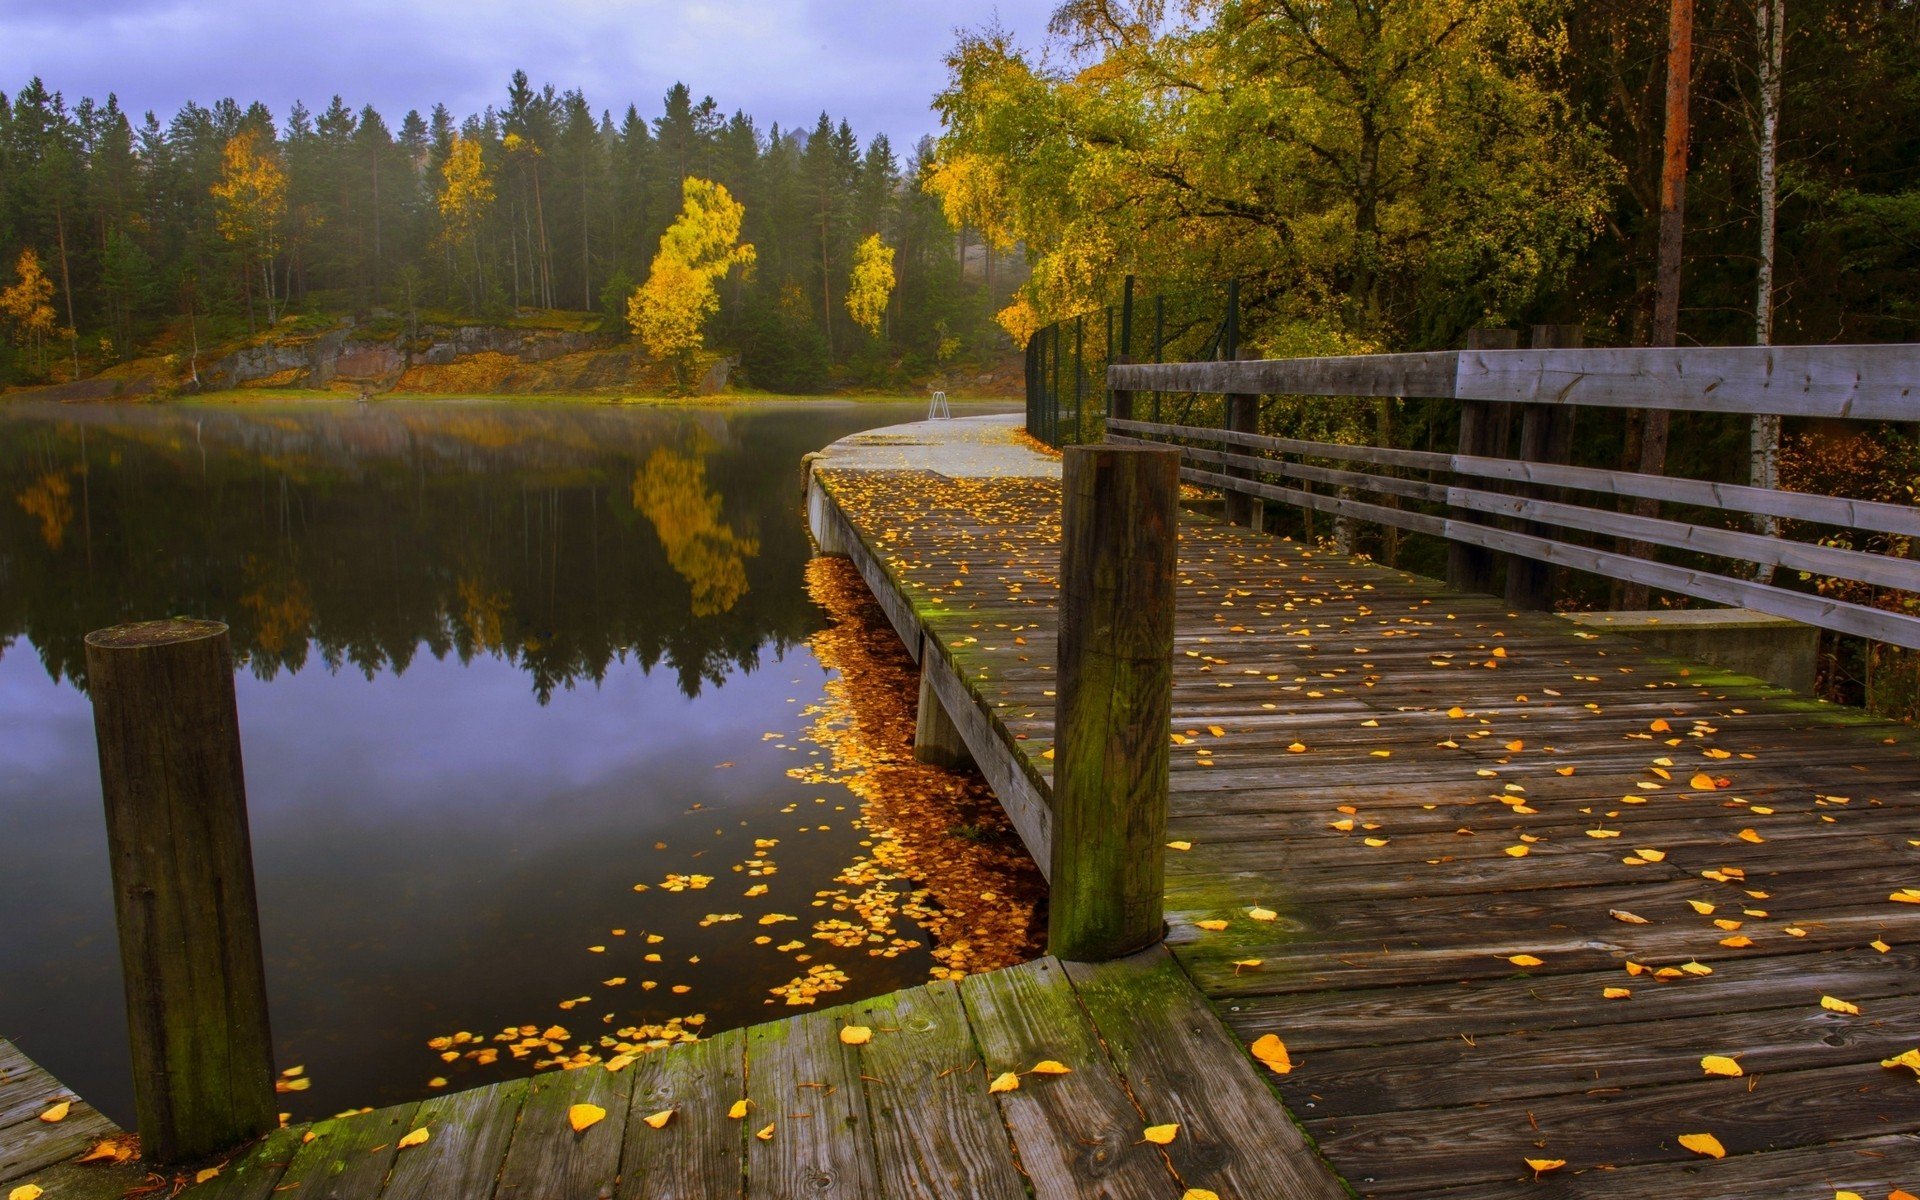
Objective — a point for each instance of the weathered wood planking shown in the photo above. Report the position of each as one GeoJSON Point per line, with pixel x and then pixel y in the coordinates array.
{"type": "Point", "coordinates": [1424, 1056]}
{"type": "Point", "coordinates": [29, 1145]}
{"type": "Point", "coordinates": [1869, 383]}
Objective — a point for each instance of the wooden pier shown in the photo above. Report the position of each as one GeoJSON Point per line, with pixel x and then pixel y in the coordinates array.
{"type": "Point", "coordinates": [1533, 911]}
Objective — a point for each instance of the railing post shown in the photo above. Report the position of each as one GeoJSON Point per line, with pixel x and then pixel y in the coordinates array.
{"type": "Point", "coordinates": [1115, 673]}
{"type": "Point", "coordinates": [1123, 400]}
{"type": "Point", "coordinates": [1484, 430]}
{"type": "Point", "coordinates": [1159, 343]}
{"type": "Point", "coordinates": [176, 808]}
{"type": "Point", "coordinates": [1079, 377]}
{"type": "Point", "coordinates": [1546, 435]}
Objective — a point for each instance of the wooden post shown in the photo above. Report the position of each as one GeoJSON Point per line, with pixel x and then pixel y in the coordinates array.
{"type": "Point", "coordinates": [1546, 435]}
{"type": "Point", "coordinates": [176, 806]}
{"type": "Point", "coordinates": [1484, 430]}
{"type": "Point", "coordinates": [1115, 700]}
{"type": "Point", "coordinates": [1122, 400]}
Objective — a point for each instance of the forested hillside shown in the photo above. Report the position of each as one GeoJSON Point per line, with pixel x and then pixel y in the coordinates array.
{"type": "Point", "coordinates": [124, 236]}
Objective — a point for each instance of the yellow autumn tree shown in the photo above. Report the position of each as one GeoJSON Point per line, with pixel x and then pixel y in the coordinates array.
{"type": "Point", "coordinates": [466, 194]}
{"type": "Point", "coordinates": [871, 284]}
{"type": "Point", "coordinates": [669, 310]}
{"type": "Point", "coordinates": [251, 203]}
{"type": "Point", "coordinates": [28, 306]}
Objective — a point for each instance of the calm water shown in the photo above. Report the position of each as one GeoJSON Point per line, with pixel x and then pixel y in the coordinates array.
{"type": "Point", "coordinates": [499, 664]}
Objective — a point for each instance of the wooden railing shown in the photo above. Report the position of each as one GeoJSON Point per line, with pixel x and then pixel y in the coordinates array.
{"type": "Point", "coordinates": [1485, 501]}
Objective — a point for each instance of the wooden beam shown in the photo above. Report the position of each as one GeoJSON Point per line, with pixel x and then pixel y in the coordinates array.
{"type": "Point", "coordinates": [1115, 670]}
{"type": "Point", "coordinates": [176, 805]}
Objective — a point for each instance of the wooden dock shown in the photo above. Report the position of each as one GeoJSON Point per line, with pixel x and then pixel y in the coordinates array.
{"type": "Point", "coordinates": [910, 1112]}
{"type": "Point", "coordinates": [1499, 884]}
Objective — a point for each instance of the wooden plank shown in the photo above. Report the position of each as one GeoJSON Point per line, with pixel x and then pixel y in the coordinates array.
{"type": "Point", "coordinates": [349, 1157]}
{"type": "Point", "coordinates": [33, 1145]}
{"type": "Point", "coordinates": [1865, 383]}
{"type": "Point", "coordinates": [700, 1152]}
{"type": "Point", "coordinates": [1869, 1166]}
{"type": "Point", "coordinates": [93, 1181]}
{"type": "Point", "coordinates": [1015, 781]}
{"type": "Point", "coordinates": [467, 1137]}
{"type": "Point", "coordinates": [546, 1159]}
{"type": "Point", "coordinates": [254, 1173]}
{"type": "Point", "coordinates": [1181, 1065]}
{"type": "Point", "coordinates": [1429, 374]}
{"type": "Point", "coordinates": [936, 1131]}
{"type": "Point", "coordinates": [805, 1083]}
{"type": "Point", "coordinates": [1078, 1134]}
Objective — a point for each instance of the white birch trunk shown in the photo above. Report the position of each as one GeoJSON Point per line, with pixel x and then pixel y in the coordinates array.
{"type": "Point", "coordinates": [1764, 436]}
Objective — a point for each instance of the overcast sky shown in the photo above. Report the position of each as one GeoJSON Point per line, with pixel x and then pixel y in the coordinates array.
{"type": "Point", "coordinates": [874, 62]}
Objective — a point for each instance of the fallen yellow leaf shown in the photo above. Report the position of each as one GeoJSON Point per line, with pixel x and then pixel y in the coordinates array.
{"type": "Point", "coordinates": [1517, 851]}
{"type": "Point", "coordinates": [585, 1116]}
{"type": "Point", "coordinates": [738, 1110]}
{"type": "Point", "coordinates": [1212, 925]}
{"type": "Point", "coordinates": [1262, 914]}
{"type": "Point", "coordinates": [417, 1138]}
{"type": "Point", "coordinates": [205, 1173]}
{"type": "Point", "coordinates": [856, 1035]}
{"type": "Point", "coordinates": [1199, 1194]}
{"type": "Point", "coordinates": [658, 1120]}
{"type": "Point", "coordinates": [1616, 993]}
{"type": "Point", "coordinates": [1006, 1081]}
{"type": "Point", "coordinates": [1523, 960]}
{"type": "Point", "coordinates": [1906, 896]}
{"type": "Point", "coordinates": [1269, 1049]}
{"type": "Point", "coordinates": [1179, 845]}
{"type": "Point", "coordinates": [1720, 1064]}
{"type": "Point", "coordinates": [1048, 1066]}
{"type": "Point", "coordinates": [1542, 1165]}
{"type": "Point", "coordinates": [26, 1191]}
{"type": "Point", "coordinates": [765, 1135]}
{"type": "Point", "coordinates": [57, 1113]}
{"type": "Point", "coordinates": [1703, 1143]}
{"type": "Point", "coordinates": [1702, 782]}
{"type": "Point", "coordinates": [1832, 1004]}
{"type": "Point", "coordinates": [1160, 1135]}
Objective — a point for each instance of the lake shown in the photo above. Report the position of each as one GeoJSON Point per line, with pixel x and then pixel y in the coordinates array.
{"type": "Point", "coordinates": [544, 718]}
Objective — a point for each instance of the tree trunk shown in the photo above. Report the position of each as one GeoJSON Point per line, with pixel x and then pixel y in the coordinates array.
{"type": "Point", "coordinates": [1764, 438]}
{"type": "Point", "coordinates": [1666, 304]}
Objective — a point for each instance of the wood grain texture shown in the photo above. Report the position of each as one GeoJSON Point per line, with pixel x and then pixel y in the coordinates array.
{"type": "Point", "coordinates": [700, 1152]}
{"type": "Point", "coordinates": [1181, 1065]}
{"type": "Point", "coordinates": [936, 1131]}
{"type": "Point", "coordinates": [348, 1157]}
{"type": "Point", "coordinates": [467, 1137]}
{"type": "Point", "coordinates": [805, 1082]}
{"type": "Point", "coordinates": [546, 1159]}
{"type": "Point", "coordinates": [1079, 1134]}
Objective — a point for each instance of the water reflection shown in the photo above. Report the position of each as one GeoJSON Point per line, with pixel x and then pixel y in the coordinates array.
{"type": "Point", "coordinates": [363, 537]}
{"type": "Point", "coordinates": [502, 665]}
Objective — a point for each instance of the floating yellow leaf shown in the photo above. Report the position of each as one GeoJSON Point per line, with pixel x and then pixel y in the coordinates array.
{"type": "Point", "coordinates": [1270, 1050]}
{"type": "Point", "coordinates": [766, 1134]}
{"type": "Point", "coordinates": [737, 1110]}
{"type": "Point", "coordinates": [585, 1116]}
{"type": "Point", "coordinates": [1720, 1064]}
{"type": "Point", "coordinates": [1832, 1004]}
{"type": "Point", "coordinates": [1542, 1165]}
{"type": "Point", "coordinates": [57, 1113]}
{"type": "Point", "coordinates": [658, 1120]}
{"type": "Point", "coordinates": [1160, 1135]}
{"type": "Point", "coordinates": [1048, 1066]}
{"type": "Point", "coordinates": [1703, 1143]}
{"type": "Point", "coordinates": [1006, 1081]}
{"type": "Point", "coordinates": [1523, 960]}
{"type": "Point", "coordinates": [417, 1138]}
{"type": "Point", "coordinates": [206, 1173]}
{"type": "Point", "coordinates": [856, 1035]}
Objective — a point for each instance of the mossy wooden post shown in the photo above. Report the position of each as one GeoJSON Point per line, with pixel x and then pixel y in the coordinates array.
{"type": "Point", "coordinates": [1115, 700]}
{"type": "Point", "coordinates": [169, 738]}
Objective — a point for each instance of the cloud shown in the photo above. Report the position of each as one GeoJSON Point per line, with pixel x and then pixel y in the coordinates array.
{"type": "Point", "coordinates": [876, 63]}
